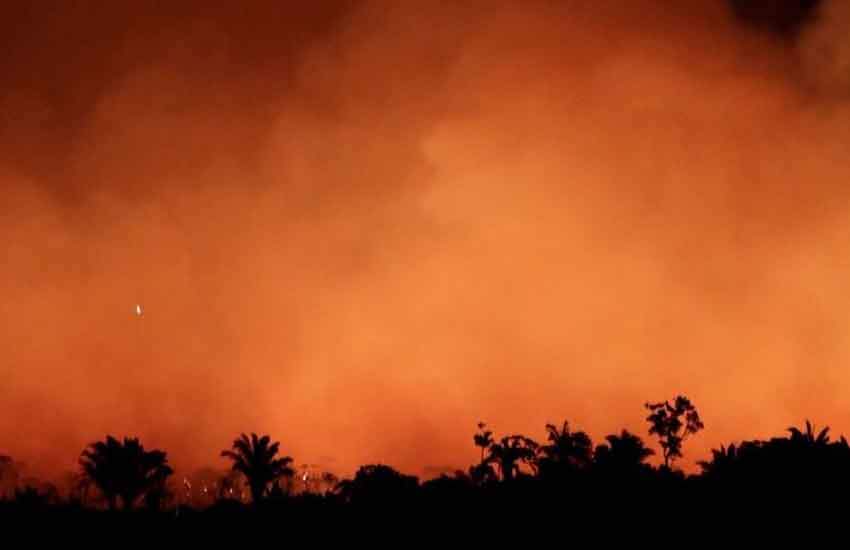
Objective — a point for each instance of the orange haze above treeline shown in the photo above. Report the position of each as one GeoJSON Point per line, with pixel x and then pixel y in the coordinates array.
{"type": "Point", "coordinates": [363, 227]}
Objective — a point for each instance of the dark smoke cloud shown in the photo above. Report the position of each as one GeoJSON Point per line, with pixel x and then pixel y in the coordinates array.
{"type": "Point", "coordinates": [364, 226]}
{"type": "Point", "coordinates": [785, 17]}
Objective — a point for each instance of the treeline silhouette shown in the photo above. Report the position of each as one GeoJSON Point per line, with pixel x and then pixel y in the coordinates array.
{"type": "Point", "coordinates": [120, 479]}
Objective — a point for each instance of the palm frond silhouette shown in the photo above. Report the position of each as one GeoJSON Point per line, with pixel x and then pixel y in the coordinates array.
{"type": "Point", "coordinates": [256, 459]}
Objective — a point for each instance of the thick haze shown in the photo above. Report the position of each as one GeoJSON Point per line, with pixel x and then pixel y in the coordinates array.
{"type": "Point", "coordinates": [362, 227]}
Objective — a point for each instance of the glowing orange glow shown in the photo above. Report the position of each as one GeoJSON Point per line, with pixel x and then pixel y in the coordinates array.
{"type": "Point", "coordinates": [362, 228]}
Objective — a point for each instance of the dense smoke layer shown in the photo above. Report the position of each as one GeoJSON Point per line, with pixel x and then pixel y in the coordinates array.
{"type": "Point", "coordinates": [364, 226]}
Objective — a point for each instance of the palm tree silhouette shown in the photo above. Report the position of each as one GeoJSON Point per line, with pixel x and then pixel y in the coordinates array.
{"type": "Point", "coordinates": [124, 470]}
{"type": "Point", "coordinates": [510, 452]}
{"type": "Point", "coordinates": [567, 451]}
{"type": "Point", "coordinates": [809, 437]}
{"type": "Point", "coordinates": [722, 460]}
{"type": "Point", "coordinates": [483, 439]}
{"type": "Point", "coordinates": [482, 472]}
{"type": "Point", "coordinates": [255, 459]}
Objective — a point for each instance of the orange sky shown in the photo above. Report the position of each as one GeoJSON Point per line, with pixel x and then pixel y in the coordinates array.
{"type": "Point", "coordinates": [364, 226]}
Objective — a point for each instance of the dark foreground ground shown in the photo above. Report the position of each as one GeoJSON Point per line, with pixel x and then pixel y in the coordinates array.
{"type": "Point", "coordinates": [665, 514]}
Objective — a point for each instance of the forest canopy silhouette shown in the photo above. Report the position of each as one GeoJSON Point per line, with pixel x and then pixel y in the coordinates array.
{"type": "Point", "coordinates": [516, 473]}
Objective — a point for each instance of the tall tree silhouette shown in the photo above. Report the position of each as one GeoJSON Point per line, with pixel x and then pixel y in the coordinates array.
{"type": "Point", "coordinates": [482, 472]}
{"type": "Point", "coordinates": [566, 452]}
{"type": "Point", "coordinates": [124, 470]}
{"type": "Point", "coordinates": [673, 423]}
{"type": "Point", "coordinates": [483, 439]}
{"type": "Point", "coordinates": [510, 452]}
{"type": "Point", "coordinates": [255, 459]}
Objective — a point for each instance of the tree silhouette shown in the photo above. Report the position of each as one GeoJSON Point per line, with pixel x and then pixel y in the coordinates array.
{"type": "Point", "coordinates": [803, 462]}
{"type": "Point", "coordinates": [124, 470]}
{"type": "Point", "coordinates": [622, 454]}
{"type": "Point", "coordinates": [809, 437]}
{"type": "Point", "coordinates": [229, 485]}
{"type": "Point", "coordinates": [329, 481]}
{"type": "Point", "coordinates": [566, 452]}
{"type": "Point", "coordinates": [510, 452]}
{"type": "Point", "coordinates": [724, 460]}
{"type": "Point", "coordinates": [482, 472]}
{"type": "Point", "coordinates": [156, 498]}
{"type": "Point", "coordinates": [10, 473]}
{"type": "Point", "coordinates": [453, 491]}
{"type": "Point", "coordinates": [31, 499]}
{"type": "Point", "coordinates": [574, 448]}
{"type": "Point", "coordinates": [483, 439]}
{"type": "Point", "coordinates": [5, 473]}
{"type": "Point", "coordinates": [377, 483]}
{"type": "Point", "coordinates": [515, 474]}
{"type": "Point", "coordinates": [255, 459]}
{"type": "Point", "coordinates": [673, 424]}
